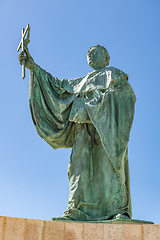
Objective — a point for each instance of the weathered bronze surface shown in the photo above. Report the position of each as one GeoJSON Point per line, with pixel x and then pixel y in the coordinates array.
{"type": "Point", "coordinates": [92, 115]}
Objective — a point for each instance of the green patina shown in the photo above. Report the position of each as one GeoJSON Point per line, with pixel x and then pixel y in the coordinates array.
{"type": "Point", "coordinates": [92, 115]}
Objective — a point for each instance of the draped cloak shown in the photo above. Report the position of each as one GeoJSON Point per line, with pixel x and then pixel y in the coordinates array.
{"type": "Point", "coordinates": [98, 170]}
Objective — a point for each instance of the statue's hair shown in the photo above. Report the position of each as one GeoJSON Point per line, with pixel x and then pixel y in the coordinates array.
{"type": "Point", "coordinates": [104, 50]}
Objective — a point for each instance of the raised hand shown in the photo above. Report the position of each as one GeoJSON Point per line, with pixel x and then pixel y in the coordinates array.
{"type": "Point", "coordinates": [29, 62]}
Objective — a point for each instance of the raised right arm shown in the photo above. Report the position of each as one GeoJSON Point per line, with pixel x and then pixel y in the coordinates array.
{"type": "Point", "coordinates": [29, 62]}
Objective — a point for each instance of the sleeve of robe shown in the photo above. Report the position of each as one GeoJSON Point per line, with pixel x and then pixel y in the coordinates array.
{"type": "Point", "coordinates": [50, 106]}
{"type": "Point", "coordinates": [112, 116]}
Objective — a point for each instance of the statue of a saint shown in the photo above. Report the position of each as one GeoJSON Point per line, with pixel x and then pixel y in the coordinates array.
{"type": "Point", "coordinates": [92, 115]}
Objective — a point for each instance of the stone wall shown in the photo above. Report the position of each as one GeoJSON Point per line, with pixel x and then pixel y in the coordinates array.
{"type": "Point", "coordinates": [29, 229]}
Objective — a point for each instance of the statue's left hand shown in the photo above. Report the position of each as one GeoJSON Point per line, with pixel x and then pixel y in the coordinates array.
{"type": "Point", "coordinates": [81, 116]}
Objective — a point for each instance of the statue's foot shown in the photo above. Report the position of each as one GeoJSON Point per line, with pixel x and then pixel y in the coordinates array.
{"type": "Point", "coordinates": [61, 219]}
{"type": "Point", "coordinates": [121, 217]}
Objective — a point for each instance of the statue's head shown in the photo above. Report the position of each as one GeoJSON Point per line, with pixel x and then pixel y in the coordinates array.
{"type": "Point", "coordinates": [98, 57]}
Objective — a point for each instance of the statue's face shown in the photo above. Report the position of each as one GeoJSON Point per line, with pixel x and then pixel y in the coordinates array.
{"type": "Point", "coordinates": [96, 58]}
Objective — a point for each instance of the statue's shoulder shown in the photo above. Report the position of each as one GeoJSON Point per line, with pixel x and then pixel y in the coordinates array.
{"type": "Point", "coordinates": [117, 73]}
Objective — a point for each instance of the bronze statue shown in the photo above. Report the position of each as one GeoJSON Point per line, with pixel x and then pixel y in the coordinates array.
{"type": "Point", "coordinates": [93, 115]}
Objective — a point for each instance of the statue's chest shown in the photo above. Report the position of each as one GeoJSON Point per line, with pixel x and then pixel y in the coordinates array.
{"type": "Point", "coordinates": [99, 81]}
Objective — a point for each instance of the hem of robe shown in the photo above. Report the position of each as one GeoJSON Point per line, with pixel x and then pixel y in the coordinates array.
{"type": "Point", "coordinates": [78, 215]}
{"type": "Point", "coordinates": [112, 221]}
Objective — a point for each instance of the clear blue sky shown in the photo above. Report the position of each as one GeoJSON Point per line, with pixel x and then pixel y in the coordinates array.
{"type": "Point", "coordinates": [33, 176]}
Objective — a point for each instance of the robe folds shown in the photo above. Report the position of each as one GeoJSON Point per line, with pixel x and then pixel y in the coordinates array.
{"type": "Point", "coordinates": [98, 170]}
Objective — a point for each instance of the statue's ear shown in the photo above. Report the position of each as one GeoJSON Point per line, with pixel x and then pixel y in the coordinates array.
{"type": "Point", "coordinates": [127, 77]}
{"type": "Point", "coordinates": [107, 62]}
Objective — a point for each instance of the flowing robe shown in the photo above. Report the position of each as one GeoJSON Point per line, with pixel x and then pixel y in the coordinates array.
{"type": "Point", "coordinates": [98, 170]}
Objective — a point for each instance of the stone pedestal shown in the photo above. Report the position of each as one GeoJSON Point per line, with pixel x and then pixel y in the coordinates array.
{"type": "Point", "coordinates": [29, 229]}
